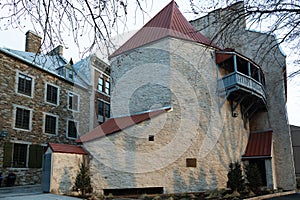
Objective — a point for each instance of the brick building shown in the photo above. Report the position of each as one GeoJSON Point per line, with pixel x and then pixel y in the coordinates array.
{"type": "Point", "coordinates": [44, 98]}
{"type": "Point", "coordinates": [184, 106]}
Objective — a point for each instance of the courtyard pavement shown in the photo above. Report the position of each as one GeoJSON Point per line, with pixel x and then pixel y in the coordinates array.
{"type": "Point", "coordinates": [38, 197]}
{"type": "Point", "coordinates": [32, 192]}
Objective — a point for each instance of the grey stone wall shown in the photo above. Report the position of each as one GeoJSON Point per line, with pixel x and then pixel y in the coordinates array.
{"type": "Point", "coordinates": [262, 49]}
{"type": "Point", "coordinates": [197, 127]}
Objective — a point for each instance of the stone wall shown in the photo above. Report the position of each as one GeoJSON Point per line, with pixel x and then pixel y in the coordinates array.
{"type": "Point", "coordinates": [198, 127]}
{"type": "Point", "coordinates": [263, 50]}
{"type": "Point", "coordinates": [65, 168]}
{"type": "Point", "coordinates": [9, 67]}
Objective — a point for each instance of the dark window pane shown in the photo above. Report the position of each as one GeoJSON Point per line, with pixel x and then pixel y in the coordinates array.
{"type": "Point", "coordinates": [24, 84]}
{"type": "Point", "coordinates": [20, 155]}
{"type": "Point", "coordinates": [107, 110]}
{"type": "Point", "coordinates": [52, 94]}
{"type": "Point", "coordinates": [50, 124]}
{"type": "Point", "coordinates": [101, 108]}
{"type": "Point", "coordinates": [72, 129]}
{"type": "Point", "coordinates": [22, 118]}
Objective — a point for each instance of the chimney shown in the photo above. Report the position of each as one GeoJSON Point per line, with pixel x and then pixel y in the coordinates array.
{"type": "Point", "coordinates": [56, 51]}
{"type": "Point", "coordinates": [33, 42]}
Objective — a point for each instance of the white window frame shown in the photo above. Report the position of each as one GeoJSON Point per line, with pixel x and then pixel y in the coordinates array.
{"type": "Point", "coordinates": [15, 117]}
{"type": "Point", "coordinates": [56, 125]}
{"type": "Point", "coordinates": [17, 84]}
{"type": "Point", "coordinates": [67, 129]}
{"type": "Point", "coordinates": [78, 105]}
{"type": "Point", "coordinates": [27, 155]}
{"type": "Point", "coordinates": [58, 93]}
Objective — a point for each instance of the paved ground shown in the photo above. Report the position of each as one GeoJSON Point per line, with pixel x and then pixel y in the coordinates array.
{"type": "Point", "coordinates": [38, 197]}
{"type": "Point", "coordinates": [288, 197]}
{"type": "Point", "coordinates": [33, 192]}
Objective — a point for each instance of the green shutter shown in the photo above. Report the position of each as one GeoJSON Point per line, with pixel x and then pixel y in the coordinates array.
{"type": "Point", "coordinates": [7, 154]}
{"type": "Point", "coordinates": [35, 156]}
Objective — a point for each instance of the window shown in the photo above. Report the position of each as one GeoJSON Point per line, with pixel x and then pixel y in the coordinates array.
{"type": "Point", "coordinates": [151, 138]}
{"type": "Point", "coordinates": [100, 84]}
{"type": "Point", "coordinates": [69, 73]}
{"type": "Point", "coordinates": [50, 122]}
{"type": "Point", "coordinates": [107, 87]}
{"type": "Point", "coordinates": [191, 162]}
{"type": "Point", "coordinates": [24, 84]}
{"type": "Point", "coordinates": [73, 101]}
{"type": "Point", "coordinates": [52, 93]}
{"type": "Point", "coordinates": [103, 111]}
{"type": "Point", "coordinates": [104, 85]}
{"type": "Point", "coordinates": [72, 129]}
{"type": "Point", "coordinates": [23, 118]}
{"type": "Point", "coordinates": [22, 155]}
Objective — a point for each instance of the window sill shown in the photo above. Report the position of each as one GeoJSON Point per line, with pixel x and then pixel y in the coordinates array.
{"type": "Point", "coordinates": [108, 95]}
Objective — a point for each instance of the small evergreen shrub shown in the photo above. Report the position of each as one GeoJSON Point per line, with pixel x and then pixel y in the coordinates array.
{"type": "Point", "coordinates": [253, 177]}
{"type": "Point", "coordinates": [83, 181]}
{"type": "Point", "coordinates": [236, 181]}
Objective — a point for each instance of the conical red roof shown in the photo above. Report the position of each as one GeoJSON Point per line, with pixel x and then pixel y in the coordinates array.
{"type": "Point", "coordinates": [168, 22]}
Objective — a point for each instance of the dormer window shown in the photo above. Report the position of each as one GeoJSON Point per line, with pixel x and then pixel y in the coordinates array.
{"type": "Point", "coordinates": [69, 74]}
{"type": "Point", "coordinates": [66, 71]}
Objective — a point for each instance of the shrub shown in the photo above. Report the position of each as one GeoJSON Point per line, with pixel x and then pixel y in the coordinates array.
{"type": "Point", "coordinates": [83, 181]}
{"type": "Point", "coordinates": [236, 181]}
{"type": "Point", "coordinates": [253, 177]}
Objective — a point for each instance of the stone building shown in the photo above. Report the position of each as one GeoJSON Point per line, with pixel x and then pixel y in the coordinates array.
{"type": "Point", "coordinates": [295, 133]}
{"type": "Point", "coordinates": [44, 98]}
{"type": "Point", "coordinates": [184, 106]}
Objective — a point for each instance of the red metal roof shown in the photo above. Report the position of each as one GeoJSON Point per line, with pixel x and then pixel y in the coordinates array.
{"type": "Point", "coordinates": [66, 148]}
{"type": "Point", "coordinates": [114, 125]}
{"type": "Point", "coordinates": [259, 145]}
{"type": "Point", "coordinates": [168, 22]}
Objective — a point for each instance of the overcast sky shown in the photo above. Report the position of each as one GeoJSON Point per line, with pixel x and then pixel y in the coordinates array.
{"type": "Point", "coordinates": [15, 39]}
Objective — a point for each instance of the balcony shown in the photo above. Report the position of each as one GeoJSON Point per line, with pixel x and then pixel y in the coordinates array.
{"type": "Point", "coordinates": [242, 83]}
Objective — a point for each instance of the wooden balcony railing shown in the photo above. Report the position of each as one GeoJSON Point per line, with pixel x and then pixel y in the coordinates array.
{"type": "Point", "coordinates": [240, 81]}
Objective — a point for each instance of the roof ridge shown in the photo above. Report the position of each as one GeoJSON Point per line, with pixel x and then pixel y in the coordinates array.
{"type": "Point", "coordinates": [172, 14]}
{"type": "Point", "coordinates": [169, 22]}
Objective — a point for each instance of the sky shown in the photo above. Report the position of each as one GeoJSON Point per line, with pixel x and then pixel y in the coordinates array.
{"type": "Point", "coordinates": [15, 39]}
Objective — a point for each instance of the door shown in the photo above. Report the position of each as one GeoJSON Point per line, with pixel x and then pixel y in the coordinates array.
{"type": "Point", "coordinates": [46, 172]}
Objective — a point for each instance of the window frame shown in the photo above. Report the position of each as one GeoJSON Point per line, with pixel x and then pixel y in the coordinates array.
{"type": "Point", "coordinates": [13, 152]}
{"type": "Point", "coordinates": [46, 92]}
{"type": "Point", "coordinates": [105, 87]}
{"type": "Point", "coordinates": [100, 89]}
{"type": "Point", "coordinates": [56, 124]}
{"type": "Point", "coordinates": [78, 101]}
{"type": "Point", "coordinates": [77, 128]}
{"type": "Point", "coordinates": [17, 84]}
{"type": "Point", "coordinates": [15, 107]}
{"type": "Point", "coordinates": [104, 111]}
{"type": "Point", "coordinates": [31, 149]}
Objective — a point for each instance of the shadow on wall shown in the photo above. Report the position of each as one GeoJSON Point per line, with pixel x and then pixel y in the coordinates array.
{"type": "Point", "coordinates": [196, 183]}
{"type": "Point", "coordinates": [65, 185]}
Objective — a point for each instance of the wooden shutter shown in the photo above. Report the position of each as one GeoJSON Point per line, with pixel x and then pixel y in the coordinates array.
{"type": "Point", "coordinates": [7, 154]}
{"type": "Point", "coordinates": [35, 156]}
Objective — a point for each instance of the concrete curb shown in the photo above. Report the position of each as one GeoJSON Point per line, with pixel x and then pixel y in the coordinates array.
{"type": "Point", "coordinates": [268, 196]}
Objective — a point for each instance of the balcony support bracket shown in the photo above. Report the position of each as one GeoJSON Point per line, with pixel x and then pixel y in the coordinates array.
{"type": "Point", "coordinates": [247, 109]}
{"type": "Point", "coordinates": [234, 106]}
